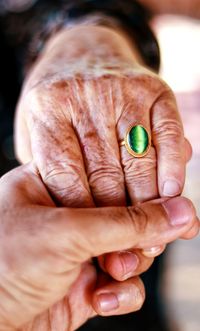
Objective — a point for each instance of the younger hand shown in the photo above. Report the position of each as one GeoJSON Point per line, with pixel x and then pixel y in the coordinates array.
{"type": "Point", "coordinates": [47, 276]}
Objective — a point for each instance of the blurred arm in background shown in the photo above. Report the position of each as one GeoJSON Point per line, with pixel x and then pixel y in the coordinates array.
{"type": "Point", "coordinates": [180, 7]}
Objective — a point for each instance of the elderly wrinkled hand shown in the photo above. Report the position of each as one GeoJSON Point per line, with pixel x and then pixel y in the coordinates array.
{"type": "Point", "coordinates": [46, 266]}
{"type": "Point", "coordinates": [82, 95]}
{"type": "Point", "coordinates": [76, 106]}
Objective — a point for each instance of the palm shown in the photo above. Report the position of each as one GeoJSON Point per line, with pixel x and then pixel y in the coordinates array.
{"type": "Point", "coordinates": [73, 310]}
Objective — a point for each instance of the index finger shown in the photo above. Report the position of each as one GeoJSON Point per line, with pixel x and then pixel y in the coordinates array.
{"type": "Point", "coordinates": [56, 151]}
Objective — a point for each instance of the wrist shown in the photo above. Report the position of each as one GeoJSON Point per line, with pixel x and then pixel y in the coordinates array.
{"type": "Point", "coordinates": [87, 51]}
{"type": "Point", "coordinates": [128, 17]}
{"type": "Point", "coordinates": [29, 42]}
{"type": "Point", "coordinates": [99, 42]}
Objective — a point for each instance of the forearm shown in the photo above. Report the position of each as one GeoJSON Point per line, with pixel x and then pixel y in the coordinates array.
{"type": "Point", "coordinates": [84, 50]}
{"type": "Point", "coordinates": [181, 7]}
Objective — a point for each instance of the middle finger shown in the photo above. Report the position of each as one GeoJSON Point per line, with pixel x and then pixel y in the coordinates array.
{"type": "Point", "coordinates": [140, 173]}
{"type": "Point", "coordinates": [95, 127]}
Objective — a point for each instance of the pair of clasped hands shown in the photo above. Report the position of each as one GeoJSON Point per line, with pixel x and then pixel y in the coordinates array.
{"type": "Point", "coordinates": [68, 203]}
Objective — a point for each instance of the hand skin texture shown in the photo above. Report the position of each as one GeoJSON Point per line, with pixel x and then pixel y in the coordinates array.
{"type": "Point", "coordinates": [83, 93]}
{"type": "Point", "coordinates": [86, 89]}
{"type": "Point", "coordinates": [46, 253]}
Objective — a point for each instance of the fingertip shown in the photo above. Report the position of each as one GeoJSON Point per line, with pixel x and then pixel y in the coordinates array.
{"type": "Point", "coordinates": [188, 150]}
{"type": "Point", "coordinates": [153, 251]}
{"type": "Point", "coordinates": [171, 188]}
{"type": "Point", "coordinates": [173, 185]}
{"type": "Point", "coordinates": [118, 298]}
{"type": "Point", "coordinates": [180, 211]}
{"type": "Point", "coordinates": [106, 303]}
{"type": "Point", "coordinates": [192, 232]}
{"type": "Point", "coordinates": [121, 265]}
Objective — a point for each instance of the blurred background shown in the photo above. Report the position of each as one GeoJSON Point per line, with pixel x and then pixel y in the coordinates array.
{"type": "Point", "coordinates": [179, 40]}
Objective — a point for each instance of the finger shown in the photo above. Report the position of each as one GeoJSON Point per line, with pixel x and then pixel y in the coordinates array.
{"type": "Point", "coordinates": [147, 225]}
{"type": "Point", "coordinates": [96, 231]}
{"type": "Point", "coordinates": [58, 156]}
{"type": "Point", "coordinates": [116, 298]}
{"type": "Point", "coordinates": [101, 262]}
{"type": "Point", "coordinates": [153, 251]}
{"type": "Point", "coordinates": [192, 232]}
{"type": "Point", "coordinates": [126, 264]}
{"type": "Point", "coordinates": [92, 232]}
{"type": "Point", "coordinates": [99, 142]}
{"type": "Point", "coordinates": [188, 150]}
{"type": "Point", "coordinates": [97, 135]}
{"type": "Point", "coordinates": [21, 138]}
{"type": "Point", "coordinates": [140, 173]}
{"type": "Point", "coordinates": [168, 138]}
{"type": "Point", "coordinates": [80, 234]}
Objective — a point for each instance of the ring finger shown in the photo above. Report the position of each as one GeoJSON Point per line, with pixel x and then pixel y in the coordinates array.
{"type": "Point", "coordinates": [140, 172]}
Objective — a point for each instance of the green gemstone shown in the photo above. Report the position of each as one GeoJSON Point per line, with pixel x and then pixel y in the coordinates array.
{"type": "Point", "coordinates": [138, 139]}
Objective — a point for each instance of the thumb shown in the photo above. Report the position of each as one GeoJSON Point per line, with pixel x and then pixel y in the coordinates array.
{"type": "Point", "coordinates": [92, 232]}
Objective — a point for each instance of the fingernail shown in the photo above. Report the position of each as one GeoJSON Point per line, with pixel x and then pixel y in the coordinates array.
{"type": "Point", "coordinates": [129, 262]}
{"type": "Point", "coordinates": [171, 188]}
{"type": "Point", "coordinates": [107, 302]}
{"type": "Point", "coordinates": [153, 251]}
{"type": "Point", "coordinates": [179, 210]}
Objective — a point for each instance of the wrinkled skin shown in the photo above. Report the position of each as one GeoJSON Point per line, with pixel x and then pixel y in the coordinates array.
{"type": "Point", "coordinates": [46, 253]}
{"type": "Point", "coordinates": [75, 138]}
{"type": "Point", "coordinates": [73, 112]}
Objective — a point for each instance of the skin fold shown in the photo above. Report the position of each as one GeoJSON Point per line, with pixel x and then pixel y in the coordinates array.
{"type": "Point", "coordinates": [46, 253]}
{"type": "Point", "coordinates": [77, 104]}
{"type": "Point", "coordinates": [86, 88]}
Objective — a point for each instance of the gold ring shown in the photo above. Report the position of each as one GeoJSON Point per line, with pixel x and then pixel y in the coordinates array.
{"type": "Point", "coordinates": [137, 141]}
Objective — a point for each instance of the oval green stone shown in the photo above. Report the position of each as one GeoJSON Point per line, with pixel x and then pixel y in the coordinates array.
{"type": "Point", "coordinates": [138, 139]}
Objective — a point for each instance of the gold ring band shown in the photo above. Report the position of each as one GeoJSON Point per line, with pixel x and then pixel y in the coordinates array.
{"type": "Point", "coordinates": [122, 143]}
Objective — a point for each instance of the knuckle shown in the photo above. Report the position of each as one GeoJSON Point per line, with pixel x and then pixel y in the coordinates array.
{"type": "Point", "coordinates": [138, 219]}
{"type": "Point", "coordinates": [66, 182]}
{"type": "Point", "coordinates": [163, 88]}
{"type": "Point", "coordinates": [5, 178]}
{"type": "Point", "coordinates": [170, 140]}
{"type": "Point", "coordinates": [136, 174]}
{"type": "Point", "coordinates": [168, 131]}
{"type": "Point", "coordinates": [44, 96]}
{"type": "Point", "coordinates": [146, 88]}
{"type": "Point", "coordinates": [156, 85]}
{"type": "Point", "coordinates": [152, 83]}
{"type": "Point", "coordinates": [12, 180]}
{"type": "Point", "coordinates": [52, 171]}
{"type": "Point", "coordinates": [35, 96]}
{"type": "Point", "coordinates": [106, 181]}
